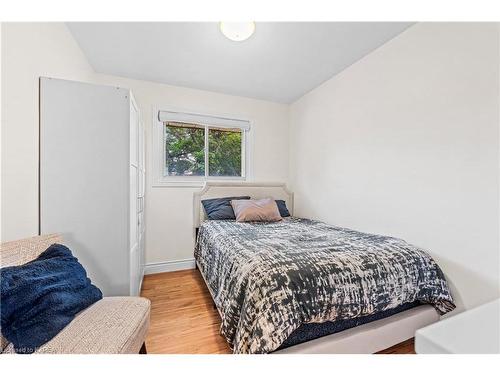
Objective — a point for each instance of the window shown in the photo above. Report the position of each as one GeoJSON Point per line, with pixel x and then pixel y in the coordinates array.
{"type": "Point", "coordinates": [195, 148]}
{"type": "Point", "coordinates": [186, 150]}
{"type": "Point", "coordinates": [224, 152]}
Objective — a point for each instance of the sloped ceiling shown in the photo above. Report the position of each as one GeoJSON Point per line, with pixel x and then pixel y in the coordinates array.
{"type": "Point", "coordinates": [280, 62]}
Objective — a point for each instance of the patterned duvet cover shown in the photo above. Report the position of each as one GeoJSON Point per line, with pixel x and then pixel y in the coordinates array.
{"type": "Point", "coordinates": [267, 279]}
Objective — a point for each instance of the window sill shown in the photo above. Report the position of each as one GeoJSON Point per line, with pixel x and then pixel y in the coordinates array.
{"type": "Point", "coordinates": [193, 184]}
{"type": "Point", "coordinates": [180, 184]}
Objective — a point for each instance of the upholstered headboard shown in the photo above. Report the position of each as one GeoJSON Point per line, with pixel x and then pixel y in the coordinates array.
{"type": "Point", "coordinates": [255, 190]}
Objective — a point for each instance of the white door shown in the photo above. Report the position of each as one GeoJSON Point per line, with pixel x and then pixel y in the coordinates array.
{"type": "Point", "coordinates": [142, 188]}
{"type": "Point", "coordinates": [134, 200]}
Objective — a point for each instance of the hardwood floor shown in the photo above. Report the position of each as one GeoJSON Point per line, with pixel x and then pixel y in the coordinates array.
{"type": "Point", "coordinates": [405, 347]}
{"type": "Point", "coordinates": [184, 321]}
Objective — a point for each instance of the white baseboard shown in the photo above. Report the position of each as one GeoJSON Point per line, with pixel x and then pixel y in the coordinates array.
{"type": "Point", "coordinates": [169, 266]}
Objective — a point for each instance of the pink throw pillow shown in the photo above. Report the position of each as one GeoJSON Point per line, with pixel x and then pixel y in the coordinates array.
{"type": "Point", "coordinates": [256, 210]}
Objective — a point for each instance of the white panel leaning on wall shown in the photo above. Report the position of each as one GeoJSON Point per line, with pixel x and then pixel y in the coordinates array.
{"type": "Point", "coordinates": [92, 179]}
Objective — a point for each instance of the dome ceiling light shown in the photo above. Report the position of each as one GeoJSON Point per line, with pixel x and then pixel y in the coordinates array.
{"type": "Point", "coordinates": [237, 31]}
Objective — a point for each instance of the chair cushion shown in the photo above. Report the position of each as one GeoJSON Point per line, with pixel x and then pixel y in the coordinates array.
{"type": "Point", "coordinates": [3, 342]}
{"type": "Point", "coordinates": [43, 296]}
{"type": "Point", "coordinates": [113, 325]}
{"type": "Point", "coordinates": [15, 253]}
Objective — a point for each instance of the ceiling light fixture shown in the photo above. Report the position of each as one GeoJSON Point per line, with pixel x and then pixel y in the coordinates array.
{"type": "Point", "coordinates": [237, 31]}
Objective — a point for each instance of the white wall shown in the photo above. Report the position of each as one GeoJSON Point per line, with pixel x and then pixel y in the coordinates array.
{"type": "Point", "coordinates": [29, 50]}
{"type": "Point", "coordinates": [405, 143]}
{"type": "Point", "coordinates": [169, 215]}
{"type": "Point", "coordinates": [0, 132]}
{"type": "Point", "coordinates": [33, 50]}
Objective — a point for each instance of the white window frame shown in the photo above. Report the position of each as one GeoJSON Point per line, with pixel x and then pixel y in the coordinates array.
{"type": "Point", "coordinates": [159, 178]}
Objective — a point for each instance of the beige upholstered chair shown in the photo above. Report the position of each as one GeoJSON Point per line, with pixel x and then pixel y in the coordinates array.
{"type": "Point", "coordinates": [112, 325]}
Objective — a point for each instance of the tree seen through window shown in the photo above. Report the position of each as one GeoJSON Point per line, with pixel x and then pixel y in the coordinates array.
{"type": "Point", "coordinates": [185, 151]}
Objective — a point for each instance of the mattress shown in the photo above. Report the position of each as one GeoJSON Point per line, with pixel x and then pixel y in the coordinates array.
{"type": "Point", "coordinates": [269, 279]}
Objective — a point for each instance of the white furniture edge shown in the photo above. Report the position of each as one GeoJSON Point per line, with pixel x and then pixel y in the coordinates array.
{"type": "Point", "coordinates": [474, 331]}
{"type": "Point", "coordinates": [276, 190]}
{"type": "Point", "coordinates": [169, 266]}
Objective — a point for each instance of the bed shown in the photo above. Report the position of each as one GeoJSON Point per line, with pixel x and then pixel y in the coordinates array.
{"type": "Point", "coordinates": [303, 286]}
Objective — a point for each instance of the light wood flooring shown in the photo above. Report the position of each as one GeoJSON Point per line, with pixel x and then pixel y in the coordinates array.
{"type": "Point", "coordinates": [184, 321]}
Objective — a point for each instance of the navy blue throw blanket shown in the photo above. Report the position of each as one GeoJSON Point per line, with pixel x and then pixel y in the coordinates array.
{"type": "Point", "coordinates": [42, 297]}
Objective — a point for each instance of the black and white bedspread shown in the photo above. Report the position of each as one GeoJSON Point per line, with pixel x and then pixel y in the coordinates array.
{"type": "Point", "coordinates": [267, 279]}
